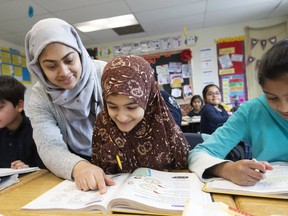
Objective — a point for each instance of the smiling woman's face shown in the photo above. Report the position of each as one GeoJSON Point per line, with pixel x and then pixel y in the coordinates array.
{"type": "Point", "coordinates": [61, 65]}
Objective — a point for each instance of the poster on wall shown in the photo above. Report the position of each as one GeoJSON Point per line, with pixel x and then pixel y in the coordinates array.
{"type": "Point", "coordinates": [233, 86]}
{"type": "Point", "coordinates": [231, 68]}
{"type": "Point", "coordinates": [172, 73]}
{"type": "Point", "coordinates": [13, 63]}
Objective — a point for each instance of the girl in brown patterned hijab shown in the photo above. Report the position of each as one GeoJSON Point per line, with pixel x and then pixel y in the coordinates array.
{"type": "Point", "coordinates": [135, 125]}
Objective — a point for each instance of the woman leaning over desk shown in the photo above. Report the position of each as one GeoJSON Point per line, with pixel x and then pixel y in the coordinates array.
{"type": "Point", "coordinates": [261, 122]}
{"type": "Point", "coordinates": [64, 102]}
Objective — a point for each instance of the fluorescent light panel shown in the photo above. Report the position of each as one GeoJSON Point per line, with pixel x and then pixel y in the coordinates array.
{"type": "Point", "coordinates": [107, 23]}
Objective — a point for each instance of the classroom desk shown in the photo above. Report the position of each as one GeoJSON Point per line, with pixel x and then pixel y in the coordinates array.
{"type": "Point", "coordinates": [190, 125]}
{"type": "Point", "coordinates": [34, 184]}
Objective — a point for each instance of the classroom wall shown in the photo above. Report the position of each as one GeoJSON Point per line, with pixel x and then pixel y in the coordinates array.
{"type": "Point", "coordinates": [206, 38]}
{"type": "Point", "coordinates": [22, 50]}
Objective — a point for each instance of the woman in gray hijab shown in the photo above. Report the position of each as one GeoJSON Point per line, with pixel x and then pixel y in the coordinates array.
{"type": "Point", "coordinates": [64, 102]}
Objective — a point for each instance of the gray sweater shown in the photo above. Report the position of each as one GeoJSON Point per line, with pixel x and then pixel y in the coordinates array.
{"type": "Point", "coordinates": [49, 130]}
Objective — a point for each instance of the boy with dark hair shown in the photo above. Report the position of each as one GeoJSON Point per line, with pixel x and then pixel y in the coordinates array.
{"type": "Point", "coordinates": [17, 147]}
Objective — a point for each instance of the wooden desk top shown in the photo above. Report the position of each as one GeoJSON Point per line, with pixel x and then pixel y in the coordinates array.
{"type": "Point", "coordinates": [34, 184]}
{"type": "Point", "coordinates": [262, 206]}
{"type": "Point", "coordinates": [29, 188]}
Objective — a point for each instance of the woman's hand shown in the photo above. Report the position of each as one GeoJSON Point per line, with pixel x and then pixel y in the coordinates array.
{"type": "Point", "coordinates": [242, 172]}
{"type": "Point", "coordinates": [18, 164]}
{"type": "Point", "coordinates": [90, 177]}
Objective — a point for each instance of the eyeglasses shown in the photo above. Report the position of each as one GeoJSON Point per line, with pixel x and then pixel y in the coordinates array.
{"type": "Point", "coordinates": [213, 93]}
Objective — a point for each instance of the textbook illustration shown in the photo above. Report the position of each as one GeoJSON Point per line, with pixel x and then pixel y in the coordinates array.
{"type": "Point", "coordinates": [274, 185]}
{"type": "Point", "coordinates": [144, 191]}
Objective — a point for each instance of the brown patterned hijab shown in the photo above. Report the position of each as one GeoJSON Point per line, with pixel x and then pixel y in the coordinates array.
{"type": "Point", "coordinates": [156, 141]}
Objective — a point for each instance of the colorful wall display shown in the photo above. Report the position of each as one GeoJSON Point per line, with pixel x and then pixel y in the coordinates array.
{"type": "Point", "coordinates": [13, 63]}
{"type": "Point", "coordinates": [173, 72]}
{"type": "Point", "coordinates": [231, 68]}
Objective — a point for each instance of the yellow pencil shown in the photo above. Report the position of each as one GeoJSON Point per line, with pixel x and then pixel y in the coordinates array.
{"type": "Point", "coordinates": [119, 161]}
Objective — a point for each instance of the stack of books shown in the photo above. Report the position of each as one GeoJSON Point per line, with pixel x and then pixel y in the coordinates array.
{"type": "Point", "coordinates": [9, 176]}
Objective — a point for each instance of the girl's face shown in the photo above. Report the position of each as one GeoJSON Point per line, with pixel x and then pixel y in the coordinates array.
{"type": "Point", "coordinates": [276, 92]}
{"type": "Point", "coordinates": [197, 104]}
{"type": "Point", "coordinates": [61, 65]}
{"type": "Point", "coordinates": [213, 96]}
{"type": "Point", "coordinates": [124, 111]}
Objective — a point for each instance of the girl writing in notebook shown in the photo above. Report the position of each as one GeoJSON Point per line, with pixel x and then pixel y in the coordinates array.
{"type": "Point", "coordinates": [261, 122]}
{"type": "Point", "coordinates": [135, 128]}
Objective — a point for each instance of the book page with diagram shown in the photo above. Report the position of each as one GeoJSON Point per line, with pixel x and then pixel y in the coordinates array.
{"type": "Point", "coordinates": [66, 196]}
{"type": "Point", "coordinates": [160, 192]}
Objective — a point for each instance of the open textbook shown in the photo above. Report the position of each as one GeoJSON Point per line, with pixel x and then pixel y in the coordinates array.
{"type": "Point", "coordinates": [145, 191]}
{"type": "Point", "coordinates": [274, 185]}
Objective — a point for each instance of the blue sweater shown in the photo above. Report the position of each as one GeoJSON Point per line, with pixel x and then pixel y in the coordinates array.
{"type": "Point", "coordinates": [211, 118]}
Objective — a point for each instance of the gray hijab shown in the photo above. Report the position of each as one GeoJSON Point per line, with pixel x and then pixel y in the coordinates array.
{"type": "Point", "coordinates": [80, 104]}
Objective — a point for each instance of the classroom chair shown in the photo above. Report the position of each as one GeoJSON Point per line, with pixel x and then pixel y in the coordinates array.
{"type": "Point", "coordinates": [237, 153]}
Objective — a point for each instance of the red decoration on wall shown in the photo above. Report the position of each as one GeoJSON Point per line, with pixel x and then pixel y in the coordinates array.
{"type": "Point", "coordinates": [272, 40]}
{"type": "Point", "coordinates": [263, 44]}
{"type": "Point", "coordinates": [186, 55]}
{"type": "Point", "coordinates": [250, 59]}
{"type": "Point", "coordinates": [253, 42]}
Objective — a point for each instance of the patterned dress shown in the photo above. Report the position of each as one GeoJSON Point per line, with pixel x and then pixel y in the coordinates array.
{"type": "Point", "coordinates": [156, 141]}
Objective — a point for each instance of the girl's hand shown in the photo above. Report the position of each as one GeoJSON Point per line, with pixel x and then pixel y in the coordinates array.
{"type": "Point", "coordinates": [18, 164]}
{"type": "Point", "coordinates": [242, 172]}
{"type": "Point", "coordinates": [90, 177]}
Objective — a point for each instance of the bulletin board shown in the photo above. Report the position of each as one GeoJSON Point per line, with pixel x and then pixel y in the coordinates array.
{"type": "Point", "coordinates": [13, 63]}
{"type": "Point", "coordinates": [172, 74]}
{"type": "Point", "coordinates": [231, 68]}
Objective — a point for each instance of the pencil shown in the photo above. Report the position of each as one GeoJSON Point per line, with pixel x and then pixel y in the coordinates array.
{"type": "Point", "coordinates": [117, 157]}
{"type": "Point", "coordinates": [119, 161]}
{"type": "Point", "coordinates": [254, 159]}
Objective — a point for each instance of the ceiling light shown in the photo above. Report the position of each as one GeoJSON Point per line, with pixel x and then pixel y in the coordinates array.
{"type": "Point", "coordinates": [107, 23]}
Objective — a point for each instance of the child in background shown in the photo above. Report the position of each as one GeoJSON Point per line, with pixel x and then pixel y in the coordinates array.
{"type": "Point", "coordinates": [135, 129]}
{"type": "Point", "coordinates": [17, 147]}
{"type": "Point", "coordinates": [213, 114]}
{"type": "Point", "coordinates": [196, 103]}
{"type": "Point", "coordinates": [262, 122]}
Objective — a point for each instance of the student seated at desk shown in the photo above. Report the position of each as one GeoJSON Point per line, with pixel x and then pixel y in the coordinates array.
{"type": "Point", "coordinates": [213, 114]}
{"type": "Point", "coordinates": [135, 128]}
{"type": "Point", "coordinates": [17, 147]}
{"type": "Point", "coordinates": [262, 122]}
{"type": "Point", "coordinates": [196, 103]}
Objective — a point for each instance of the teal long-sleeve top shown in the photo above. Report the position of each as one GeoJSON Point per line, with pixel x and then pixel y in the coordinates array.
{"type": "Point", "coordinates": [257, 124]}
